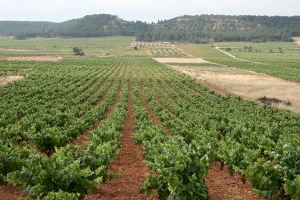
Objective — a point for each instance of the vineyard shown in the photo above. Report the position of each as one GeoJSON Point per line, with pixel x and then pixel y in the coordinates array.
{"type": "Point", "coordinates": [63, 47]}
{"type": "Point", "coordinates": [127, 126]}
{"type": "Point", "coordinates": [160, 49]}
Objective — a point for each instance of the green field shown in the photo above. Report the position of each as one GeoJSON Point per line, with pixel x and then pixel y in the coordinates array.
{"type": "Point", "coordinates": [61, 126]}
{"type": "Point", "coordinates": [284, 65]}
{"type": "Point", "coordinates": [64, 46]}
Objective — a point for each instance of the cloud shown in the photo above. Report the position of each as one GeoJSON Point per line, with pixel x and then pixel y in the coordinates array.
{"type": "Point", "coordinates": [146, 10]}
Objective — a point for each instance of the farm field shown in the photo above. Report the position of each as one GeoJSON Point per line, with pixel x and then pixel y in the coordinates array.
{"type": "Point", "coordinates": [253, 86]}
{"type": "Point", "coordinates": [284, 65]}
{"type": "Point", "coordinates": [160, 49]}
{"type": "Point", "coordinates": [124, 126]}
{"type": "Point", "coordinates": [63, 46]}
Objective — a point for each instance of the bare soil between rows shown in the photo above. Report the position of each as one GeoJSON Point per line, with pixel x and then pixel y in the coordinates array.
{"type": "Point", "coordinates": [83, 138]}
{"type": "Point", "coordinates": [11, 193]}
{"type": "Point", "coordinates": [221, 185]}
{"type": "Point", "coordinates": [132, 170]}
{"type": "Point", "coordinates": [151, 113]}
{"type": "Point", "coordinates": [128, 165]}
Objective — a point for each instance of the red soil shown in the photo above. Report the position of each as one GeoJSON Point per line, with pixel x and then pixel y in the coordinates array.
{"type": "Point", "coordinates": [151, 113]}
{"type": "Point", "coordinates": [83, 138]}
{"type": "Point", "coordinates": [115, 102]}
{"type": "Point", "coordinates": [128, 164]}
{"type": "Point", "coordinates": [131, 169]}
{"type": "Point", "coordinates": [11, 193]}
{"type": "Point", "coordinates": [221, 185]}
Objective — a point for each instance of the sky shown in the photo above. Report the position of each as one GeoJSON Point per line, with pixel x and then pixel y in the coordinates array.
{"type": "Point", "coordinates": [143, 10]}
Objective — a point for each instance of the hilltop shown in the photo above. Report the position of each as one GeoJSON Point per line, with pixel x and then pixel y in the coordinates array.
{"type": "Point", "coordinates": [200, 28]}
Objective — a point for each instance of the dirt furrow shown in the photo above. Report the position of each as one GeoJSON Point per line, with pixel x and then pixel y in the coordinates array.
{"type": "Point", "coordinates": [11, 193]}
{"type": "Point", "coordinates": [163, 91]}
{"type": "Point", "coordinates": [221, 185]}
{"type": "Point", "coordinates": [151, 113]}
{"type": "Point", "coordinates": [128, 164]}
{"type": "Point", "coordinates": [114, 103]}
{"type": "Point", "coordinates": [83, 138]}
{"type": "Point", "coordinates": [103, 79]}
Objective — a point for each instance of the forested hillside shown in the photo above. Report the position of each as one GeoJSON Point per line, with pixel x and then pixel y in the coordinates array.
{"type": "Point", "coordinates": [222, 28]}
{"type": "Point", "coordinates": [25, 28]}
{"type": "Point", "coordinates": [185, 28]}
{"type": "Point", "coordinates": [88, 26]}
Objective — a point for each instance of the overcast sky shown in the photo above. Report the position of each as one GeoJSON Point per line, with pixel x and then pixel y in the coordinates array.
{"type": "Point", "coordinates": [144, 10]}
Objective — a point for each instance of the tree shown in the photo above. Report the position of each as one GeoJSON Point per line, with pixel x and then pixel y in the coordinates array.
{"type": "Point", "coordinates": [250, 49]}
{"type": "Point", "coordinates": [21, 37]}
{"type": "Point", "coordinates": [78, 52]}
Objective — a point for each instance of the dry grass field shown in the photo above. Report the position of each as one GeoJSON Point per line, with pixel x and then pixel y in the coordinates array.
{"type": "Point", "coordinates": [180, 60]}
{"type": "Point", "coordinates": [9, 79]}
{"type": "Point", "coordinates": [247, 84]}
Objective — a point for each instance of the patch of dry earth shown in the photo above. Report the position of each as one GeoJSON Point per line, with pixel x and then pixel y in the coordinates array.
{"type": "Point", "coordinates": [247, 84]}
{"type": "Point", "coordinates": [180, 60]}
{"type": "Point", "coordinates": [34, 58]}
{"type": "Point", "coordinates": [9, 79]}
{"type": "Point", "coordinates": [297, 40]}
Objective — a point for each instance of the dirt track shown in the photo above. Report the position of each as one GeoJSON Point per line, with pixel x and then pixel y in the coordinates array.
{"type": "Point", "coordinates": [35, 58]}
{"type": "Point", "coordinates": [235, 57]}
{"type": "Point", "coordinates": [180, 60]}
{"type": "Point", "coordinates": [230, 55]}
{"type": "Point", "coordinates": [250, 85]}
{"type": "Point", "coordinates": [18, 50]}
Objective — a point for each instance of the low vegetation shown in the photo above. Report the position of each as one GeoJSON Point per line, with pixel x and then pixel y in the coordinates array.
{"type": "Point", "coordinates": [182, 126]}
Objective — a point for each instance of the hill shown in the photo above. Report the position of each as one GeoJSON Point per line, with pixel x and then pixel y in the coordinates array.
{"type": "Point", "coordinates": [95, 26]}
{"type": "Point", "coordinates": [88, 26]}
{"type": "Point", "coordinates": [223, 28]}
{"type": "Point", "coordinates": [17, 28]}
{"type": "Point", "coordinates": [199, 28]}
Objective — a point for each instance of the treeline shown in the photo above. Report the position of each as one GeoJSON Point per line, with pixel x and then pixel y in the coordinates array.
{"type": "Point", "coordinates": [197, 29]}
{"type": "Point", "coordinates": [203, 28]}
{"type": "Point", "coordinates": [25, 29]}
{"type": "Point", "coordinates": [88, 26]}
